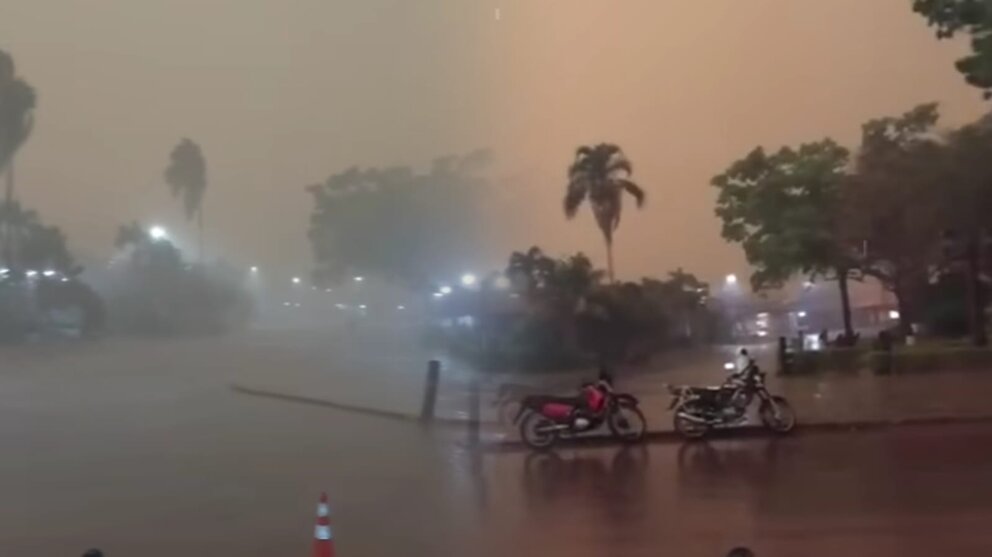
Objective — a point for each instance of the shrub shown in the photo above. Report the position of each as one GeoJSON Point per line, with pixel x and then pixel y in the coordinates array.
{"type": "Point", "coordinates": [845, 360]}
{"type": "Point", "coordinates": [930, 358]}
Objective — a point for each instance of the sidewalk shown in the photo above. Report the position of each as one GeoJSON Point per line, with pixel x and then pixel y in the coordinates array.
{"type": "Point", "coordinates": [392, 386]}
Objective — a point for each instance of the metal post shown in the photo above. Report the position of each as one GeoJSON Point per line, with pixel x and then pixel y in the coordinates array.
{"type": "Point", "coordinates": [430, 390]}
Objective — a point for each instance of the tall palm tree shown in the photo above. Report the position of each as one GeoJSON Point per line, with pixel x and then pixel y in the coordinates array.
{"type": "Point", "coordinates": [601, 174]}
{"type": "Point", "coordinates": [17, 100]}
{"type": "Point", "coordinates": [187, 177]}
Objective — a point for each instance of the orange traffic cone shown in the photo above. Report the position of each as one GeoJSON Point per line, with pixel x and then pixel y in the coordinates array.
{"type": "Point", "coordinates": [323, 539]}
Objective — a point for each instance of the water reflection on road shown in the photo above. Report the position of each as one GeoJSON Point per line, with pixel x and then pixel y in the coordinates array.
{"type": "Point", "coordinates": [831, 494]}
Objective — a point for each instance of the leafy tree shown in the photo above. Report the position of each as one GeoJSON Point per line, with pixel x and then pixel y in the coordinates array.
{"type": "Point", "coordinates": [186, 176]}
{"type": "Point", "coordinates": [682, 297]}
{"type": "Point", "coordinates": [131, 234]}
{"type": "Point", "coordinates": [601, 174]}
{"type": "Point", "coordinates": [531, 270]}
{"type": "Point", "coordinates": [784, 209]}
{"type": "Point", "coordinates": [967, 201]}
{"type": "Point", "coordinates": [398, 223]}
{"type": "Point", "coordinates": [44, 247]}
{"type": "Point", "coordinates": [972, 17]}
{"type": "Point", "coordinates": [17, 102]}
{"type": "Point", "coordinates": [15, 222]}
{"type": "Point", "coordinates": [893, 203]}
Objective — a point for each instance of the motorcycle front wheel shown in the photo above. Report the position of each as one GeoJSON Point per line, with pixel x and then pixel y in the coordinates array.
{"type": "Point", "coordinates": [537, 432]}
{"type": "Point", "coordinates": [777, 415]}
{"type": "Point", "coordinates": [627, 423]}
{"type": "Point", "coordinates": [688, 428]}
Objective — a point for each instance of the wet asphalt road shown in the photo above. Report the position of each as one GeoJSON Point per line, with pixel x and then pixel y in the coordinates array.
{"type": "Point", "coordinates": [141, 448]}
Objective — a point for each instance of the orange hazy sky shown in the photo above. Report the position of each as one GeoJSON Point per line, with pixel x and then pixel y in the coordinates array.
{"type": "Point", "coordinates": [281, 94]}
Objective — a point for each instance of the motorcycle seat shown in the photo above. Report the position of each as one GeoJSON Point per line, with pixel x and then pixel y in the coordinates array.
{"type": "Point", "coordinates": [540, 400]}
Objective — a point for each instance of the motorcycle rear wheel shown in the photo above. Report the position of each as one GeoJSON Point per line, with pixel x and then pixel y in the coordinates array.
{"type": "Point", "coordinates": [627, 424]}
{"type": "Point", "coordinates": [688, 428]}
{"type": "Point", "coordinates": [777, 415]}
{"type": "Point", "coordinates": [532, 435]}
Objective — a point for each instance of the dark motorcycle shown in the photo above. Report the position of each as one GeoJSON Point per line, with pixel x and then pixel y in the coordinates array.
{"type": "Point", "coordinates": [544, 419]}
{"type": "Point", "coordinates": [699, 409]}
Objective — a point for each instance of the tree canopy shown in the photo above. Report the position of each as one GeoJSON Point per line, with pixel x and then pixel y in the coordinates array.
{"type": "Point", "coordinates": [782, 208]}
{"type": "Point", "coordinates": [186, 175]}
{"type": "Point", "coordinates": [399, 223]}
{"type": "Point", "coordinates": [972, 17]}
{"type": "Point", "coordinates": [601, 174]}
{"type": "Point", "coordinates": [17, 102]}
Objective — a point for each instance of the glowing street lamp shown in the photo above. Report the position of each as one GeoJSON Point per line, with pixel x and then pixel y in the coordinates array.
{"type": "Point", "coordinates": [359, 279]}
{"type": "Point", "coordinates": [254, 269]}
{"type": "Point", "coordinates": [48, 273]}
{"type": "Point", "coordinates": [445, 290]}
{"type": "Point", "coordinates": [158, 233]}
{"type": "Point", "coordinates": [730, 280]}
{"type": "Point", "coordinates": [468, 279]}
{"type": "Point", "coordinates": [296, 280]}
{"type": "Point", "coordinates": [31, 274]}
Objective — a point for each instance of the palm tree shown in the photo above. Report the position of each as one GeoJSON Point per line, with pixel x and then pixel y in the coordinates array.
{"type": "Point", "coordinates": [600, 173]}
{"type": "Point", "coordinates": [17, 100]}
{"type": "Point", "coordinates": [187, 177]}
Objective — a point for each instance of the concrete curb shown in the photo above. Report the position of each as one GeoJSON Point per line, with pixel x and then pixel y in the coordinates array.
{"type": "Point", "coordinates": [755, 432]}
{"type": "Point", "coordinates": [353, 408]}
{"type": "Point", "coordinates": [656, 436]}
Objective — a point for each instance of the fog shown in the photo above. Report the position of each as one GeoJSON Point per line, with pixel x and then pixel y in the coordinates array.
{"type": "Point", "coordinates": [282, 94]}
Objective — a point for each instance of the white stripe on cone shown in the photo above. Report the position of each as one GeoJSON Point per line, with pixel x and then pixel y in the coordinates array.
{"type": "Point", "coordinates": [322, 510]}
{"type": "Point", "coordinates": [322, 532]}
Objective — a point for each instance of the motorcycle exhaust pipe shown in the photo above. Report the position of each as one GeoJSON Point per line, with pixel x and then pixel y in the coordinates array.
{"type": "Point", "coordinates": [695, 419]}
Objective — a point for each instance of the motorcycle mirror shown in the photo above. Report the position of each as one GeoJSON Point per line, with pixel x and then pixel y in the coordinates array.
{"type": "Point", "coordinates": [729, 366]}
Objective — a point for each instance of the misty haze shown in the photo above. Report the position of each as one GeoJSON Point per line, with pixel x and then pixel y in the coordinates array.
{"type": "Point", "coordinates": [471, 277]}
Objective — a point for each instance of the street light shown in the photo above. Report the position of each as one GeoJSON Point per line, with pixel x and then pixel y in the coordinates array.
{"type": "Point", "coordinates": [730, 280]}
{"type": "Point", "coordinates": [158, 233]}
{"type": "Point", "coordinates": [359, 279]}
{"type": "Point", "coordinates": [468, 279]}
{"type": "Point", "coordinates": [48, 273]}
{"type": "Point", "coordinates": [401, 308]}
{"type": "Point", "coordinates": [31, 274]}
{"type": "Point", "coordinates": [254, 269]}
{"type": "Point", "coordinates": [445, 290]}
{"type": "Point", "coordinates": [296, 280]}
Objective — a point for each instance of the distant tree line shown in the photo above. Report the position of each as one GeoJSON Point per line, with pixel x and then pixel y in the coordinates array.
{"type": "Point", "coordinates": [554, 312]}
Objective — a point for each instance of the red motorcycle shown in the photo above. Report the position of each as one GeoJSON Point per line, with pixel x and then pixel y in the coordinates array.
{"type": "Point", "coordinates": [544, 419]}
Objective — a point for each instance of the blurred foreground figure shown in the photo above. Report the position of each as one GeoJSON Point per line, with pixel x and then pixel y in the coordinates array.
{"type": "Point", "coordinates": [740, 552]}
{"type": "Point", "coordinates": [93, 553]}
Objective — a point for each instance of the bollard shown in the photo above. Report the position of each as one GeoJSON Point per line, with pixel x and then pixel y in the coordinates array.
{"type": "Point", "coordinates": [430, 391]}
{"type": "Point", "coordinates": [784, 358]}
{"type": "Point", "coordinates": [474, 411]}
